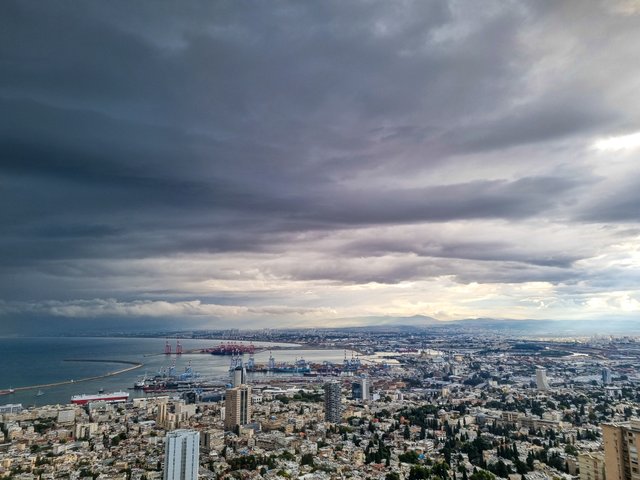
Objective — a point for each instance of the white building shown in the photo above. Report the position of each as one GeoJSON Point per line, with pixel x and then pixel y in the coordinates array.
{"type": "Point", "coordinates": [365, 388]}
{"type": "Point", "coordinates": [182, 455]}
{"type": "Point", "coordinates": [541, 379]}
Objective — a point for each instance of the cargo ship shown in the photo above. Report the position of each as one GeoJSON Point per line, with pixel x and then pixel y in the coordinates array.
{"type": "Point", "coordinates": [300, 366]}
{"type": "Point", "coordinates": [114, 397]}
{"type": "Point", "coordinates": [232, 349]}
{"type": "Point", "coordinates": [179, 386]}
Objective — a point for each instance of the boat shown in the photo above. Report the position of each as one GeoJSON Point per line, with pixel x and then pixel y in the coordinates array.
{"type": "Point", "coordinates": [232, 349]}
{"type": "Point", "coordinates": [288, 368]}
{"type": "Point", "coordinates": [114, 397]}
{"type": "Point", "coordinates": [40, 393]}
{"type": "Point", "coordinates": [300, 366]}
{"type": "Point", "coordinates": [7, 392]}
{"type": "Point", "coordinates": [140, 384]}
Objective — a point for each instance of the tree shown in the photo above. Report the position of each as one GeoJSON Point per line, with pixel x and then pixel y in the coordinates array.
{"type": "Point", "coordinates": [571, 450]}
{"type": "Point", "coordinates": [419, 472]}
{"type": "Point", "coordinates": [409, 457]}
{"type": "Point", "coordinates": [440, 469]}
{"type": "Point", "coordinates": [483, 475]}
{"type": "Point", "coordinates": [501, 469]}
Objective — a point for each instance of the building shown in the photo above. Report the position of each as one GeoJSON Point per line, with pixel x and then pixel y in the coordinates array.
{"type": "Point", "coordinates": [211, 440]}
{"type": "Point", "coordinates": [541, 379]}
{"type": "Point", "coordinates": [172, 415]}
{"type": "Point", "coordinates": [613, 391]}
{"type": "Point", "coordinates": [239, 376]}
{"type": "Point", "coordinates": [621, 445]}
{"type": "Point", "coordinates": [237, 407]}
{"type": "Point", "coordinates": [361, 389]}
{"type": "Point", "coordinates": [333, 402]}
{"type": "Point", "coordinates": [591, 466]}
{"type": "Point", "coordinates": [161, 415]}
{"type": "Point", "coordinates": [182, 455]}
{"type": "Point", "coordinates": [10, 408]}
{"type": "Point", "coordinates": [606, 376]}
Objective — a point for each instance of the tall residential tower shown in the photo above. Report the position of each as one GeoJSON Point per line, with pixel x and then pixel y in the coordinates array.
{"type": "Point", "coordinates": [333, 402]}
{"type": "Point", "coordinates": [182, 455]}
{"type": "Point", "coordinates": [621, 445]}
{"type": "Point", "coordinates": [237, 407]}
{"type": "Point", "coordinates": [541, 379]}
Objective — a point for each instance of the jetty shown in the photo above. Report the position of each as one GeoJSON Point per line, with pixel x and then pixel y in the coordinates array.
{"type": "Point", "coordinates": [132, 366]}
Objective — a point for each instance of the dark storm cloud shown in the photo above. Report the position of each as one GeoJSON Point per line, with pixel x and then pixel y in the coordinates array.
{"type": "Point", "coordinates": [467, 250]}
{"type": "Point", "coordinates": [481, 199]}
{"type": "Point", "coordinates": [534, 123]}
{"type": "Point", "coordinates": [271, 130]}
{"type": "Point", "coordinates": [618, 204]}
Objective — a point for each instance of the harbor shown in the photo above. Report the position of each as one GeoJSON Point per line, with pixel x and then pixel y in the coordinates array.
{"type": "Point", "coordinates": [61, 372]}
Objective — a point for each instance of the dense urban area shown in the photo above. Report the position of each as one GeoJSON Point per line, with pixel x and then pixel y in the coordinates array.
{"type": "Point", "coordinates": [411, 405]}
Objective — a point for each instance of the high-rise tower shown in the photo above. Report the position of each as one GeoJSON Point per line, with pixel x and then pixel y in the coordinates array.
{"type": "Point", "coordinates": [621, 445]}
{"type": "Point", "coordinates": [182, 455]}
{"type": "Point", "coordinates": [239, 376]}
{"type": "Point", "coordinates": [361, 389]}
{"type": "Point", "coordinates": [541, 379]}
{"type": "Point", "coordinates": [333, 402]}
{"type": "Point", "coordinates": [237, 407]}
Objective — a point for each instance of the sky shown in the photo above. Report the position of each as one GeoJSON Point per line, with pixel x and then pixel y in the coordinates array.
{"type": "Point", "coordinates": [304, 164]}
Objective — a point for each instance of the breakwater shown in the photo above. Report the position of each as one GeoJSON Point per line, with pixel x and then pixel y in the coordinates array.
{"type": "Point", "coordinates": [132, 366]}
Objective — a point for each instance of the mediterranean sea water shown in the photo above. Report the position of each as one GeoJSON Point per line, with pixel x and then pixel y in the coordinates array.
{"type": "Point", "coordinates": [34, 361]}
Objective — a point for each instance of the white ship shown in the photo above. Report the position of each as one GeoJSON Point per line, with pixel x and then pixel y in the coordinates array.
{"type": "Point", "coordinates": [114, 397]}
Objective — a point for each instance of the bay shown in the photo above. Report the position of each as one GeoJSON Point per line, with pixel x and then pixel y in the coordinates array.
{"type": "Point", "coordinates": [34, 361]}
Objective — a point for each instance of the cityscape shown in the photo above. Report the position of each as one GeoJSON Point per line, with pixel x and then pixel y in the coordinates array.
{"type": "Point", "coordinates": [413, 404]}
{"type": "Point", "coordinates": [320, 240]}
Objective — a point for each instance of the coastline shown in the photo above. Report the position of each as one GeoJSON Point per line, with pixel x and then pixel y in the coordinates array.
{"type": "Point", "coordinates": [132, 366]}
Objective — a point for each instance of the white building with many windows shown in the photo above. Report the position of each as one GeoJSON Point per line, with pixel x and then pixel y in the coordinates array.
{"type": "Point", "coordinates": [182, 455]}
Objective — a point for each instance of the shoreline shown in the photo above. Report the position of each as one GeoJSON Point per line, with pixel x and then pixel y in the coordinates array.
{"type": "Point", "coordinates": [133, 366]}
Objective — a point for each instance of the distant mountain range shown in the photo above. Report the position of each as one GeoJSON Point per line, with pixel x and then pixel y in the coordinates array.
{"type": "Point", "coordinates": [63, 326]}
{"type": "Point", "coordinates": [501, 325]}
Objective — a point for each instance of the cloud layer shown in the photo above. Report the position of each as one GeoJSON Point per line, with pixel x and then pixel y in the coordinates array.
{"type": "Point", "coordinates": [288, 163]}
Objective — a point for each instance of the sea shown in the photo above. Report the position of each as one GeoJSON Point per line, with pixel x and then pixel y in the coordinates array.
{"type": "Point", "coordinates": [38, 360]}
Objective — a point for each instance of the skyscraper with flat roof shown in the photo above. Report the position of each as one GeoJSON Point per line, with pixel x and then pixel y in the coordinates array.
{"type": "Point", "coordinates": [182, 455]}
{"type": "Point", "coordinates": [361, 389]}
{"type": "Point", "coordinates": [541, 379]}
{"type": "Point", "coordinates": [333, 402]}
{"type": "Point", "coordinates": [621, 445]}
{"type": "Point", "coordinates": [237, 407]}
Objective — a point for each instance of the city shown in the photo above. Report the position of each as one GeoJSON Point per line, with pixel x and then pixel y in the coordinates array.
{"type": "Point", "coordinates": [410, 407]}
{"type": "Point", "coordinates": [319, 240]}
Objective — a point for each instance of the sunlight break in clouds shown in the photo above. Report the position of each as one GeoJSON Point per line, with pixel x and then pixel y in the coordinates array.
{"type": "Point", "coordinates": [622, 142]}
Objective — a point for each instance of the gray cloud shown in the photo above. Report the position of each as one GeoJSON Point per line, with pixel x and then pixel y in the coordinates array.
{"type": "Point", "coordinates": [311, 148]}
